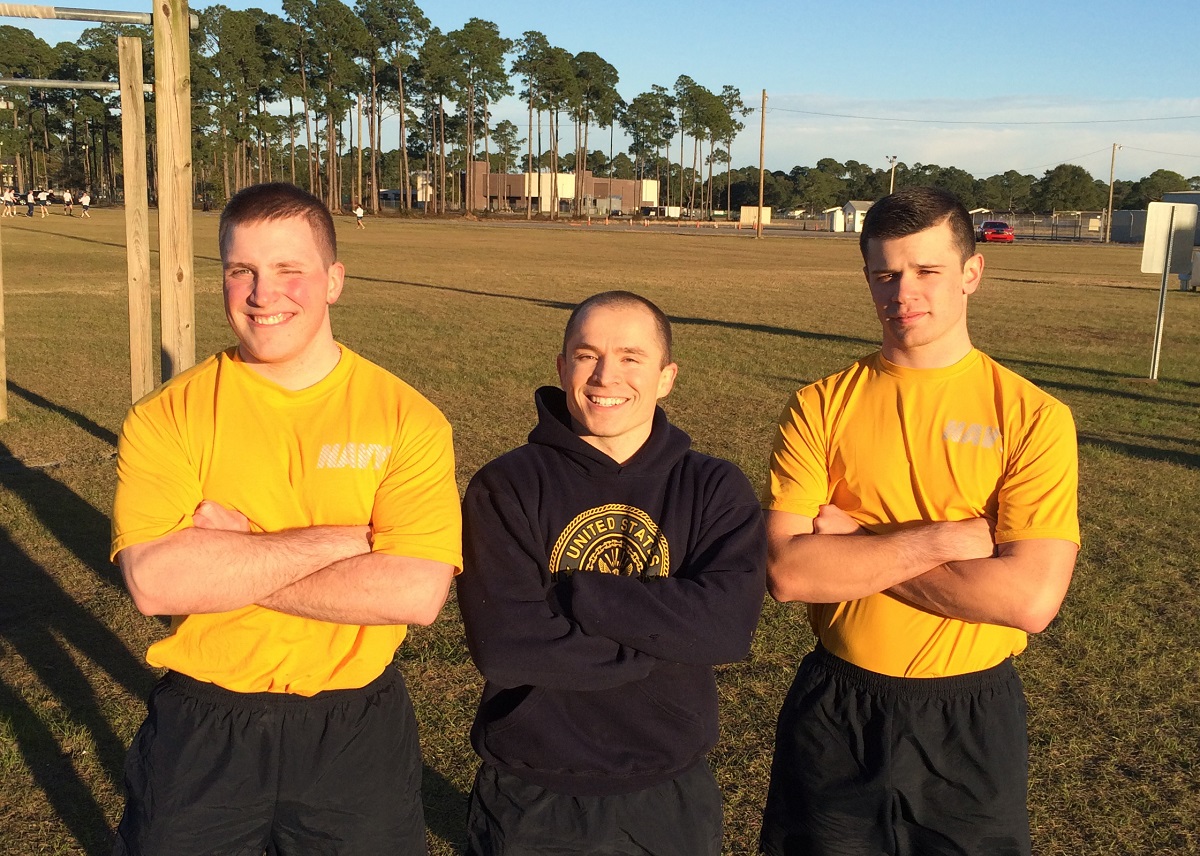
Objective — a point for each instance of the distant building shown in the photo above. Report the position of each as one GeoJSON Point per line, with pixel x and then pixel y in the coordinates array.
{"type": "Point", "coordinates": [854, 211]}
{"type": "Point", "coordinates": [601, 196]}
{"type": "Point", "coordinates": [835, 219]}
{"type": "Point", "coordinates": [1186, 196]}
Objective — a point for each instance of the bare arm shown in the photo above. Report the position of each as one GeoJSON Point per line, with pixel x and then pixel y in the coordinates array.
{"type": "Point", "coordinates": [374, 588]}
{"type": "Point", "coordinates": [811, 559]}
{"type": "Point", "coordinates": [1022, 587]}
{"type": "Point", "coordinates": [219, 565]}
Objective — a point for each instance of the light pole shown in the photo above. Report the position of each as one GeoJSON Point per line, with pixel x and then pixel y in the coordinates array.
{"type": "Point", "coordinates": [1112, 168]}
{"type": "Point", "coordinates": [892, 184]}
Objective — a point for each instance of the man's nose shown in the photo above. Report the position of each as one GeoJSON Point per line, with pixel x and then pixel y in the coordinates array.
{"type": "Point", "coordinates": [264, 291]}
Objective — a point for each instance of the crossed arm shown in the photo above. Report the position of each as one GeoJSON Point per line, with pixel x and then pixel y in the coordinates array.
{"type": "Point", "coordinates": [323, 572]}
{"type": "Point", "coordinates": [949, 568]}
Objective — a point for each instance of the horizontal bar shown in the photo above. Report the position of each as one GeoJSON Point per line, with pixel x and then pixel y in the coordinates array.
{"type": "Point", "coordinates": [103, 16]}
{"type": "Point", "coordinates": [39, 83]}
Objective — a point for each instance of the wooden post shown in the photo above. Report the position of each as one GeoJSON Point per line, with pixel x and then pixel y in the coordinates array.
{"type": "Point", "coordinates": [173, 106]}
{"type": "Point", "coordinates": [137, 230]}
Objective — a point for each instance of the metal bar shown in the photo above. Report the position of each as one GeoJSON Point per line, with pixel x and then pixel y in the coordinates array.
{"type": "Point", "coordinates": [43, 83]}
{"type": "Point", "coordinates": [101, 16]}
{"type": "Point", "coordinates": [1162, 299]}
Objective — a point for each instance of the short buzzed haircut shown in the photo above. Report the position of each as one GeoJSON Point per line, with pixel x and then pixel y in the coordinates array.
{"type": "Point", "coordinates": [915, 209]}
{"type": "Point", "coordinates": [278, 201]}
{"type": "Point", "coordinates": [622, 299]}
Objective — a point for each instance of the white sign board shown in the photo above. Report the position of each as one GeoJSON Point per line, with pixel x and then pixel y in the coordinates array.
{"type": "Point", "coordinates": [1182, 231]}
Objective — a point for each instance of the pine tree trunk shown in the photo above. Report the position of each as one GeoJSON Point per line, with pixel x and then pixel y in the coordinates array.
{"type": "Point", "coordinates": [373, 111]}
{"type": "Point", "coordinates": [404, 177]}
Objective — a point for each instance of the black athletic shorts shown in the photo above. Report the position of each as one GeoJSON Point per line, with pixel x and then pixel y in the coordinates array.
{"type": "Point", "coordinates": [508, 816]}
{"type": "Point", "coordinates": [870, 764]}
{"type": "Point", "coordinates": [236, 774]}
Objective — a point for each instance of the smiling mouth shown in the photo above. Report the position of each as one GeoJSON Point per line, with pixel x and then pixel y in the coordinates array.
{"type": "Point", "coordinates": [268, 320]}
{"type": "Point", "coordinates": [601, 401]}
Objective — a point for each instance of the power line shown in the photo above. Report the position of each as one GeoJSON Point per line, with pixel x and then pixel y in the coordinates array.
{"type": "Point", "coordinates": [1068, 160]}
{"type": "Point", "coordinates": [974, 122]}
{"type": "Point", "coordinates": [1153, 152]}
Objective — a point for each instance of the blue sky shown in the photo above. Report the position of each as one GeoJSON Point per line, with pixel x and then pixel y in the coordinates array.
{"type": "Point", "coordinates": [982, 86]}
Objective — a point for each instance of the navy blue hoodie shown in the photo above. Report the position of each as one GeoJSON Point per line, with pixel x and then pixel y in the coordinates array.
{"type": "Point", "coordinates": [597, 597]}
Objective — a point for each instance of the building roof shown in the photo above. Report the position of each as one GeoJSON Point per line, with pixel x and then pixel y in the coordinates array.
{"type": "Point", "coordinates": [858, 205]}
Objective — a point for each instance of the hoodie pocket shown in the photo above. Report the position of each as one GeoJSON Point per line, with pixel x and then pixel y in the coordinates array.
{"type": "Point", "coordinates": [637, 729]}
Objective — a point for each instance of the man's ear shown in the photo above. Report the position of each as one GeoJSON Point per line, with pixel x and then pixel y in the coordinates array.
{"type": "Point", "coordinates": [337, 279]}
{"type": "Point", "coordinates": [666, 379]}
{"type": "Point", "coordinates": [972, 273]}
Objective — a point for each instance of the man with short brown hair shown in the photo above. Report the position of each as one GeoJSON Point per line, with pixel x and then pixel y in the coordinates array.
{"type": "Point", "coordinates": [923, 503]}
{"type": "Point", "coordinates": [293, 507]}
{"type": "Point", "coordinates": [608, 568]}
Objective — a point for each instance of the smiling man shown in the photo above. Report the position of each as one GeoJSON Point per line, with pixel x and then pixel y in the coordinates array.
{"type": "Point", "coordinates": [293, 507]}
{"type": "Point", "coordinates": [923, 503]}
{"type": "Point", "coordinates": [608, 567]}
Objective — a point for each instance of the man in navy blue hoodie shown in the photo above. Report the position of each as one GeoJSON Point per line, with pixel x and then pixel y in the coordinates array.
{"type": "Point", "coordinates": [607, 569]}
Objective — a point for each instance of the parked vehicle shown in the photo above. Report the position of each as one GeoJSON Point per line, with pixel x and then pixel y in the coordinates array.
{"type": "Point", "coordinates": [995, 231]}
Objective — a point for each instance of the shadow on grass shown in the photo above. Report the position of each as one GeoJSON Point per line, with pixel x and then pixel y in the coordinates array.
{"type": "Point", "coordinates": [97, 431]}
{"type": "Point", "coordinates": [43, 624]}
{"type": "Point", "coordinates": [118, 244]}
{"type": "Point", "coordinates": [445, 808]}
{"type": "Point", "coordinates": [675, 319]}
{"type": "Point", "coordinates": [1110, 392]}
{"type": "Point", "coordinates": [1010, 362]}
{"type": "Point", "coordinates": [1147, 453]}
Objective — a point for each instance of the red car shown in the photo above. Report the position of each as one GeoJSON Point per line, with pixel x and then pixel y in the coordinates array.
{"type": "Point", "coordinates": [995, 231]}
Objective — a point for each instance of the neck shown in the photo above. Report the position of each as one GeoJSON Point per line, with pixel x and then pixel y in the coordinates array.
{"type": "Point", "coordinates": [299, 374]}
{"type": "Point", "coordinates": [932, 356]}
{"type": "Point", "coordinates": [620, 449]}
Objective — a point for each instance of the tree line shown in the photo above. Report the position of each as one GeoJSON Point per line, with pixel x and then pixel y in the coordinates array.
{"type": "Point", "coordinates": [303, 97]}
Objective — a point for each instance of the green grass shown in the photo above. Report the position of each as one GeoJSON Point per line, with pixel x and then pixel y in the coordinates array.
{"type": "Point", "coordinates": [472, 314]}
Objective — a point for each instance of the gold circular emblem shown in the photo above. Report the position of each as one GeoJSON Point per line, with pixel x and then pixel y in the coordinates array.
{"type": "Point", "coordinates": [612, 539]}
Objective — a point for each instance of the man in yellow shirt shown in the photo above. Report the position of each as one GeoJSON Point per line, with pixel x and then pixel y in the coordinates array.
{"type": "Point", "coordinates": [293, 507]}
{"type": "Point", "coordinates": [923, 503]}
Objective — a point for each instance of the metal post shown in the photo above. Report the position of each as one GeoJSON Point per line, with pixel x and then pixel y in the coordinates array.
{"type": "Point", "coordinates": [1112, 168]}
{"type": "Point", "coordinates": [762, 142]}
{"type": "Point", "coordinates": [1162, 298]}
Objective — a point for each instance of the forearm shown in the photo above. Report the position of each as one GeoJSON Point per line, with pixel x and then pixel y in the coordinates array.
{"type": "Point", "coordinates": [816, 568]}
{"type": "Point", "coordinates": [703, 622]}
{"type": "Point", "coordinates": [1021, 588]}
{"type": "Point", "coordinates": [374, 588]}
{"type": "Point", "coordinates": [212, 570]}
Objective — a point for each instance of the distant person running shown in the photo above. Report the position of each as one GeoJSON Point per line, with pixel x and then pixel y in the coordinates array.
{"type": "Point", "coordinates": [10, 202]}
{"type": "Point", "coordinates": [85, 202]}
{"type": "Point", "coordinates": [68, 203]}
{"type": "Point", "coordinates": [44, 203]}
{"type": "Point", "coordinates": [358, 214]}
{"type": "Point", "coordinates": [29, 200]}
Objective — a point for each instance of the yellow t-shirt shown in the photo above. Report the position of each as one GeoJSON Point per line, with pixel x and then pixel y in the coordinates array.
{"type": "Point", "coordinates": [359, 446]}
{"type": "Point", "coordinates": [896, 447]}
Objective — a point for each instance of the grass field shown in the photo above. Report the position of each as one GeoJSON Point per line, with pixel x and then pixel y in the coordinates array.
{"type": "Point", "coordinates": [471, 314]}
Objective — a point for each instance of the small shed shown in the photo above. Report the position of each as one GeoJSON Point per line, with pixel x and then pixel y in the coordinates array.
{"type": "Point", "coordinates": [748, 215]}
{"type": "Point", "coordinates": [835, 219]}
{"type": "Point", "coordinates": [854, 211]}
{"type": "Point", "coordinates": [1187, 197]}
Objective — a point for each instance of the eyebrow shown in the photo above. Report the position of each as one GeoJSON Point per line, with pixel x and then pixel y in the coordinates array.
{"type": "Point", "coordinates": [279, 264]}
{"type": "Point", "coordinates": [630, 349]}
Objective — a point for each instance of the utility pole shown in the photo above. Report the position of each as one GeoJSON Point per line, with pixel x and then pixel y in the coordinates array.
{"type": "Point", "coordinates": [762, 143]}
{"type": "Point", "coordinates": [892, 184]}
{"type": "Point", "coordinates": [1112, 168]}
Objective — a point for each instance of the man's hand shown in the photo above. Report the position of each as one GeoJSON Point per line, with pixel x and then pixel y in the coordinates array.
{"type": "Point", "coordinates": [831, 520]}
{"type": "Point", "coordinates": [213, 515]}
